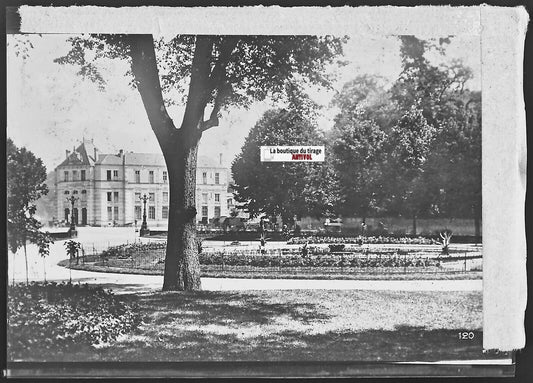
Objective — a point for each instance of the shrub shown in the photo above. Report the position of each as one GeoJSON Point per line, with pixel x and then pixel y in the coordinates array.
{"type": "Point", "coordinates": [59, 316]}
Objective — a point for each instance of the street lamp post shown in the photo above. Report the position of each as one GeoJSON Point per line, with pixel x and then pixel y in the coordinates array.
{"type": "Point", "coordinates": [144, 226]}
{"type": "Point", "coordinates": [72, 229]}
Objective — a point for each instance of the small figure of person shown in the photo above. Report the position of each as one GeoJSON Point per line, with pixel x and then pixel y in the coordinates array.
{"type": "Point", "coordinates": [199, 244]}
{"type": "Point", "coordinates": [305, 250]}
{"type": "Point", "coordinates": [262, 247]}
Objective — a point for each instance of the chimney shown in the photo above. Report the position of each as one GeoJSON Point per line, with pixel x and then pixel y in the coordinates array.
{"type": "Point", "coordinates": [95, 154]}
{"type": "Point", "coordinates": [220, 158]}
{"type": "Point", "coordinates": [67, 153]}
{"type": "Point", "coordinates": [121, 153]}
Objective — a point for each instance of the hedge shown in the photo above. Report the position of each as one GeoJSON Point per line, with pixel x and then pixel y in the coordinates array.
{"type": "Point", "coordinates": [59, 316]}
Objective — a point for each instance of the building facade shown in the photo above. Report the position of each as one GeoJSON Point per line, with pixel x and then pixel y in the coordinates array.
{"type": "Point", "coordinates": [107, 188]}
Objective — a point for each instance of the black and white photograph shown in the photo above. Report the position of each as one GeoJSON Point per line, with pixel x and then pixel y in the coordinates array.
{"type": "Point", "coordinates": [247, 197]}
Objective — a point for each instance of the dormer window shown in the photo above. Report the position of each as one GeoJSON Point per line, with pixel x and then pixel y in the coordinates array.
{"type": "Point", "coordinates": [65, 176]}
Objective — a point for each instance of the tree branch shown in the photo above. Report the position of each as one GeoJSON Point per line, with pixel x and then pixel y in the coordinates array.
{"type": "Point", "coordinates": [144, 68]}
{"type": "Point", "coordinates": [199, 87]}
{"type": "Point", "coordinates": [222, 92]}
{"type": "Point", "coordinates": [217, 79]}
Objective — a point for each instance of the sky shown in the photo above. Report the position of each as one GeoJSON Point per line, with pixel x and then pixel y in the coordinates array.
{"type": "Point", "coordinates": [50, 108]}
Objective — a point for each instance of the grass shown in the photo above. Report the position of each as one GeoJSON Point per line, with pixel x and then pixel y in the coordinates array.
{"type": "Point", "coordinates": [285, 325]}
{"type": "Point", "coordinates": [208, 271]}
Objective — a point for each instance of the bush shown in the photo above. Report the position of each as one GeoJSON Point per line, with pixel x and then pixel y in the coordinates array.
{"type": "Point", "coordinates": [59, 316]}
{"type": "Point", "coordinates": [132, 249]}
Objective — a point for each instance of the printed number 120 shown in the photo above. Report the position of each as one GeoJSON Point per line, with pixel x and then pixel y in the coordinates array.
{"type": "Point", "coordinates": [466, 335]}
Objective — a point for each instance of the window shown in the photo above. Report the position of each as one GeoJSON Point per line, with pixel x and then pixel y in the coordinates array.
{"type": "Point", "coordinates": [204, 177]}
{"type": "Point", "coordinates": [138, 176]}
{"type": "Point", "coordinates": [217, 197]}
{"type": "Point", "coordinates": [74, 175]}
{"type": "Point", "coordinates": [115, 175]}
{"type": "Point", "coordinates": [82, 175]}
{"type": "Point", "coordinates": [84, 195]}
{"type": "Point", "coordinates": [109, 196]}
{"type": "Point", "coordinates": [67, 212]}
{"type": "Point", "coordinates": [152, 197]}
{"type": "Point", "coordinates": [230, 203]}
{"type": "Point", "coordinates": [164, 212]}
{"type": "Point", "coordinates": [165, 197]}
{"type": "Point", "coordinates": [109, 175]}
{"type": "Point", "coordinates": [204, 211]}
{"type": "Point", "coordinates": [138, 212]}
{"type": "Point", "coordinates": [151, 212]}
{"type": "Point", "coordinates": [109, 213]}
{"type": "Point", "coordinates": [67, 192]}
{"type": "Point", "coordinates": [137, 198]}
{"type": "Point", "coordinates": [115, 212]}
{"type": "Point", "coordinates": [204, 197]}
{"type": "Point", "coordinates": [65, 176]}
{"type": "Point", "coordinates": [165, 176]}
{"type": "Point", "coordinates": [217, 211]}
{"type": "Point", "coordinates": [151, 176]}
{"type": "Point", "coordinates": [217, 178]}
{"type": "Point", "coordinates": [115, 196]}
{"type": "Point", "coordinates": [75, 192]}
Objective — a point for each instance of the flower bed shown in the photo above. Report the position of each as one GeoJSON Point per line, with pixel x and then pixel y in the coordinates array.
{"type": "Point", "coordinates": [361, 239]}
{"type": "Point", "coordinates": [151, 256]}
{"type": "Point", "coordinates": [131, 249]}
{"type": "Point", "coordinates": [52, 316]}
{"type": "Point", "coordinates": [315, 261]}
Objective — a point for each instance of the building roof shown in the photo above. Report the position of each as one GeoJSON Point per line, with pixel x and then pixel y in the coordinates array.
{"type": "Point", "coordinates": [208, 162]}
{"type": "Point", "coordinates": [153, 159]}
{"type": "Point", "coordinates": [86, 152]}
{"type": "Point", "coordinates": [109, 159]}
{"type": "Point", "coordinates": [82, 155]}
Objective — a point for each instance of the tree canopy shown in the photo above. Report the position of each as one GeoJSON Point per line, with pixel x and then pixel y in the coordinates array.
{"type": "Point", "coordinates": [26, 177]}
{"type": "Point", "coordinates": [201, 72]}
{"type": "Point", "coordinates": [276, 188]}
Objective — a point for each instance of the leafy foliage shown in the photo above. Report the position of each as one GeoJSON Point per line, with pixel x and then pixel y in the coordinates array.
{"type": "Point", "coordinates": [357, 156]}
{"type": "Point", "coordinates": [413, 149]}
{"type": "Point", "coordinates": [54, 316]}
{"type": "Point", "coordinates": [26, 177]}
{"type": "Point", "coordinates": [256, 68]}
{"type": "Point", "coordinates": [276, 188]}
{"type": "Point", "coordinates": [73, 248]}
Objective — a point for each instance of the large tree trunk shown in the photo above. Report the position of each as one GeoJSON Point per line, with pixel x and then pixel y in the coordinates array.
{"type": "Point", "coordinates": [182, 267]}
{"type": "Point", "coordinates": [180, 146]}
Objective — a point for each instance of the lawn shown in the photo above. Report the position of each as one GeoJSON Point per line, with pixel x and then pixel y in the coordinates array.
{"type": "Point", "coordinates": [293, 325]}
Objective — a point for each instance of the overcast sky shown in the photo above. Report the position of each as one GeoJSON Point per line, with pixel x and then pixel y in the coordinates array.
{"type": "Point", "coordinates": [50, 108]}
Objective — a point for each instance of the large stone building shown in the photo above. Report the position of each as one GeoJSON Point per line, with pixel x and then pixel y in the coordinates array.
{"type": "Point", "coordinates": [108, 187]}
